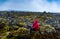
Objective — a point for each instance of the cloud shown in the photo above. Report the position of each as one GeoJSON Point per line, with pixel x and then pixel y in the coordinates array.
{"type": "Point", "coordinates": [31, 5]}
{"type": "Point", "coordinates": [43, 5]}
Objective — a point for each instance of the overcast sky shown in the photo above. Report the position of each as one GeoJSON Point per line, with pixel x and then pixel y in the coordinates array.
{"type": "Point", "coordinates": [30, 5]}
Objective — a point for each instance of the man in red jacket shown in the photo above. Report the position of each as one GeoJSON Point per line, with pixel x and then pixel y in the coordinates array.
{"type": "Point", "coordinates": [35, 26]}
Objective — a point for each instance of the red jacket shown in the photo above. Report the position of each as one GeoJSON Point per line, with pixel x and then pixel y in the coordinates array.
{"type": "Point", "coordinates": [36, 25]}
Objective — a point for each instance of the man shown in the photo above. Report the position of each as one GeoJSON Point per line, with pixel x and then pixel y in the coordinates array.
{"type": "Point", "coordinates": [35, 26]}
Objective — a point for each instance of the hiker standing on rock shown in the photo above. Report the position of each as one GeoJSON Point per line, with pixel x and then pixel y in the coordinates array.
{"type": "Point", "coordinates": [35, 26]}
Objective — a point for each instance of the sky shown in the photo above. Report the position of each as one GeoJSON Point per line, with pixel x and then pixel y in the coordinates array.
{"type": "Point", "coordinates": [30, 5]}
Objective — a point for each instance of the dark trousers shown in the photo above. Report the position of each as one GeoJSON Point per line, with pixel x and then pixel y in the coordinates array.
{"type": "Point", "coordinates": [32, 29]}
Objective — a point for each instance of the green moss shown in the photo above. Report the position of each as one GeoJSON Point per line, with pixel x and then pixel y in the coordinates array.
{"type": "Point", "coordinates": [5, 35]}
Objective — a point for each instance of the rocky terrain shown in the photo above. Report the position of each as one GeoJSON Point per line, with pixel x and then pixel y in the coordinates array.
{"type": "Point", "coordinates": [16, 25]}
